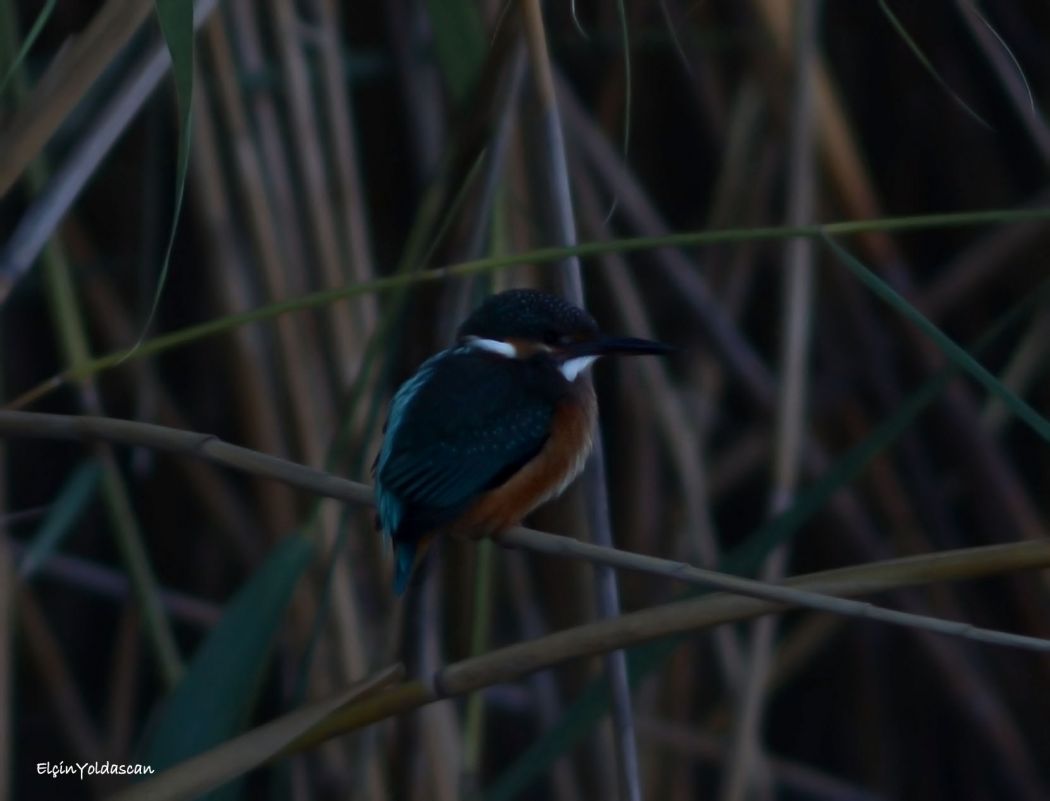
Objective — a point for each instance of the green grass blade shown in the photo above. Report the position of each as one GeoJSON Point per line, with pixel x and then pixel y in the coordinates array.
{"type": "Point", "coordinates": [540, 256]}
{"type": "Point", "coordinates": [551, 255]}
{"type": "Point", "coordinates": [64, 512]}
{"type": "Point", "coordinates": [176, 23]}
{"type": "Point", "coordinates": [917, 52]}
{"type": "Point", "coordinates": [956, 354]}
{"type": "Point", "coordinates": [34, 32]}
{"type": "Point", "coordinates": [214, 699]}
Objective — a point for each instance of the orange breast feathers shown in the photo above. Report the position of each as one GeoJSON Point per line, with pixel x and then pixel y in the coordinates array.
{"type": "Point", "coordinates": [546, 476]}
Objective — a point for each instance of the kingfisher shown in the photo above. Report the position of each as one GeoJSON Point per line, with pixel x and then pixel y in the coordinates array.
{"type": "Point", "coordinates": [492, 427]}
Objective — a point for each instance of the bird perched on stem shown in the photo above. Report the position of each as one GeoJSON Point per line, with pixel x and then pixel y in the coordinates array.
{"type": "Point", "coordinates": [486, 431]}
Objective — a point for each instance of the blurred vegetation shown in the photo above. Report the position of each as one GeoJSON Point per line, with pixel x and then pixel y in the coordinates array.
{"type": "Point", "coordinates": [153, 606]}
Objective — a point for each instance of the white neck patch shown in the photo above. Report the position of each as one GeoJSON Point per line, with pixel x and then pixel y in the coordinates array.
{"type": "Point", "coordinates": [573, 367]}
{"type": "Point", "coordinates": [496, 346]}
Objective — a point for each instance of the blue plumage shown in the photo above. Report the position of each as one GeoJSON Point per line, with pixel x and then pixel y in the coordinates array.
{"type": "Point", "coordinates": [476, 414]}
{"type": "Point", "coordinates": [465, 422]}
{"type": "Point", "coordinates": [405, 561]}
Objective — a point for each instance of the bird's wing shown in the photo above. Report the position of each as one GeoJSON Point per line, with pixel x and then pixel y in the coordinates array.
{"type": "Point", "coordinates": [463, 424]}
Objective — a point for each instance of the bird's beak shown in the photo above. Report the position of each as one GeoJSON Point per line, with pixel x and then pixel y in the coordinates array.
{"type": "Point", "coordinates": [623, 346]}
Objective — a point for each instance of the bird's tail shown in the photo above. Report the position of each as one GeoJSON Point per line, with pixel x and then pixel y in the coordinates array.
{"type": "Point", "coordinates": [407, 558]}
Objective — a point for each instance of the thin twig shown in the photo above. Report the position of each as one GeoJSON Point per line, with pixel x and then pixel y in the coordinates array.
{"type": "Point", "coordinates": [53, 426]}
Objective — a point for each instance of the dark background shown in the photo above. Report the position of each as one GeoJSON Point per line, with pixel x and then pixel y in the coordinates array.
{"type": "Point", "coordinates": [853, 709]}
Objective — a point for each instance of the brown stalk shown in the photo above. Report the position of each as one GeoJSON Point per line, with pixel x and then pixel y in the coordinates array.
{"type": "Point", "coordinates": [837, 145]}
{"type": "Point", "coordinates": [64, 84]}
{"type": "Point", "coordinates": [349, 195]}
{"type": "Point", "coordinates": [252, 382]}
{"type": "Point", "coordinates": [305, 143]}
{"type": "Point", "coordinates": [310, 398]}
{"type": "Point", "coordinates": [310, 406]}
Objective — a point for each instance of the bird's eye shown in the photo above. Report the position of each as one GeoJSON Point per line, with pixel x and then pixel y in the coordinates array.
{"type": "Point", "coordinates": [557, 339]}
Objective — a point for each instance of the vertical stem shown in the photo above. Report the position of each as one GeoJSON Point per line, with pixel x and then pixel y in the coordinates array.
{"type": "Point", "coordinates": [561, 228]}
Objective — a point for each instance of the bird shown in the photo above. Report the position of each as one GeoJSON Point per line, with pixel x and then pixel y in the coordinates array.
{"type": "Point", "coordinates": [490, 428]}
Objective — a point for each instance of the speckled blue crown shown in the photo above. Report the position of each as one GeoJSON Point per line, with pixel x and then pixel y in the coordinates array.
{"type": "Point", "coordinates": [527, 314]}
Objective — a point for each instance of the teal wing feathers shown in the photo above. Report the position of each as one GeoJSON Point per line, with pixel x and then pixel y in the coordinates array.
{"type": "Point", "coordinates": [463, 424]}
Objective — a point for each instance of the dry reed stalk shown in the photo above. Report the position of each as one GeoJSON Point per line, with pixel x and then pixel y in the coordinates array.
{"type": "Point", "coordinates": [65, 83]}
{"type": "Point", "coordinates": [248, 364]}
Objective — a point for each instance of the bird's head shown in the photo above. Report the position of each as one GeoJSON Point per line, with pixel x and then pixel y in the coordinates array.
{"type": "Point", "coordinates": [528, 323]}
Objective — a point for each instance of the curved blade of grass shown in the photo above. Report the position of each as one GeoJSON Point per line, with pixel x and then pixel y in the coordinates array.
{"type": "Point", "coordinates": [176, 23]}
{"type": "Point", "coordinates": [963, 360]}
{"type": "Point", "coordinates": [917, 52]}
{"type": "Point", "coordinates": [34, 32]}
{"type": "Point", "coordinates": [593, 703]}
{"type": "Point", "coordinates": [540, 256]}
{"type": "Point", "coordinates": [75, 495]}
{"type": "Point", "coordinates": [214, 698]}
{"type": "Point", "coordinates": [972, 8]}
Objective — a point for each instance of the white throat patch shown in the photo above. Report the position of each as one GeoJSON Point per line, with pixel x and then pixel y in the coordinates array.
{"type": "Point", "coordinates": [493, 346]}
{"type": "Point", "coordinates": [573, 367]}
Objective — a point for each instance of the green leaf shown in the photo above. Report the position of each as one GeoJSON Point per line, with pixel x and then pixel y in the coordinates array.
{"type": "Point", "coordinates": [214, 699]}
{"type": "Point", "coordinates": [64, 512]}
{"type": "Point", "coordinates": [459, 37]}
{"type": "Point", "coordinates": [176, 23]}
